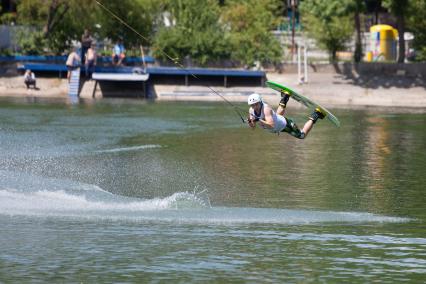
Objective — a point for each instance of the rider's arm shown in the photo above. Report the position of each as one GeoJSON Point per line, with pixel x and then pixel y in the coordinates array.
{"type": "Point", "coordinates": [252, 119]}
{"type": "Point", "coordinates": [268, 121]}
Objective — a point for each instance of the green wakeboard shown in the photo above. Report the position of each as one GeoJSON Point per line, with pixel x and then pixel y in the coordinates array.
{"type": "Point", "coordinates": [304, 101]}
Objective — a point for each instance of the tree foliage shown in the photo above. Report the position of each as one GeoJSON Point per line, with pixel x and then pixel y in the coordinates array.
{"type": "Point", "coordinates": [249, 24]}
{"type": "Point", "coordinates": [203, 31]}
{"type": "Point", "coordinates": [59, 23]}
{"type": "Point", "coordinates": [53, 22]}
{"type": "Point", "coordinates": [194, 32]}
{"type": "Point", "coordinates": [329, 22]}
{"type": "Point", "coordinates": [416, 23]}
{"type": "Point", "coordinates": [139, 14]}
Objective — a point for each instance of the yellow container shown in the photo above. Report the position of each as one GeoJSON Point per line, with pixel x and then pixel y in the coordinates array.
{"type": "Point", "coordinates": [383, 42]}
{"type": "Point", "coordinates": [369, 56]}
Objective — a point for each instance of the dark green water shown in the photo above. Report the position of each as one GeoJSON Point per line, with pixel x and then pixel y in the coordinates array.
{"type": "Point", "coordinates": [131, 191]}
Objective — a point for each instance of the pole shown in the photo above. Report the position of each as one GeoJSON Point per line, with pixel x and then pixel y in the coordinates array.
{"type": "Point", "coordinates": [299, 67]}
{"type": "Point", "coordinates": [143, 58]}
{"type": "Point", "coordinates": [293, 21]}
{"type": "Point", "coordinates": [305, 58]}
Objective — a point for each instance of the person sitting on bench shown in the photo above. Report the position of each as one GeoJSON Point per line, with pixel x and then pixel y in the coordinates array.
{"type": "Point", "coordinates": [118, 53]}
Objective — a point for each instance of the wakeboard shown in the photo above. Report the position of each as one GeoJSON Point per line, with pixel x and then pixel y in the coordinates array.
{"type": "Point", "coordinates": [304, 101]}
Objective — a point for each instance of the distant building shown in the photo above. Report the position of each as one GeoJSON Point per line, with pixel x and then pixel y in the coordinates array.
{"type": "Point", "coordinates": [7, 29]}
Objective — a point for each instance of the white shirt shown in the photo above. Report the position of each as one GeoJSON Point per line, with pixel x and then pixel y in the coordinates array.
{"type": "Point", "coordinates": [279, 121]}
{"type": "Point", "coordinates": [73, 59]}
{"type": "Point", "coordinates": [29, 76]}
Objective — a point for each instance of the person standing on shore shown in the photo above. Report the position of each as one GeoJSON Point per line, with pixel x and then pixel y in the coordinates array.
{"type": "Point", "coordinates": [91, 59]}
{"type": "Point", "coordinates": [86, 42]}
{"type": "Point", "coordinates": [73, 62]}
{"type": "Point", "coordinates": [275, 122]}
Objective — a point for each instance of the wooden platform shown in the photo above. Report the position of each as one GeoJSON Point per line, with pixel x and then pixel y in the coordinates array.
{"type": "Point", "coordinates": [121, 81]}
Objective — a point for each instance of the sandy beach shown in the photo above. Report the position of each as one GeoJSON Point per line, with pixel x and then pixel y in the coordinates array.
{"type": "Point", "coordinates": [328, 89]}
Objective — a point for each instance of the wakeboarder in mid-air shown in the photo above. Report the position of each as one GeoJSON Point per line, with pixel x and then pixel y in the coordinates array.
{"type": "Point", "coordinates": [275, 121]}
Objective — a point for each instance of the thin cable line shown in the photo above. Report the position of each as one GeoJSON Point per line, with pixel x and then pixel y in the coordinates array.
{"type": "Point", "coordinates": [236, 109]}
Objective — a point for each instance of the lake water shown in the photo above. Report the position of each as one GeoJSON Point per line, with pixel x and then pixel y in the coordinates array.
{"type": "Point", "coordinates": [131, 191]}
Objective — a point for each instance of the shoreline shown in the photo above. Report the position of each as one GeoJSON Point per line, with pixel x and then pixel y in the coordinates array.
{"type": "Point", "coordinates": [328, 89]}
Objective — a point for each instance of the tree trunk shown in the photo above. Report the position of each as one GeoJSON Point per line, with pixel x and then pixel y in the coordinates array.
{"type": "Point", "coordinates": [333, 57]}
{"type": "Point", "coordinates": [401, 41]}
{"type": "Point", "coordinates": [358, 44]}
{"type": "Point", "coordinates": [376, 12]}
{"type": "Point", "coordinates": [54, 16]}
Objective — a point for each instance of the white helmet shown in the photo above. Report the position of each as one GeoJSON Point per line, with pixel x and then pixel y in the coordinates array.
{"type": "Point", "coordinates": [254, 98]}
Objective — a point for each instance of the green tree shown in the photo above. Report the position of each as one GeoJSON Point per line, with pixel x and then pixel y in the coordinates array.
{"type": "Point", "coordinates": [52, 23]}
{"type": "Point", "coordinates": [329, 22]}
{"type": "Point", "coordinates": [194, 31]}
{"type": "Point", "coordinates": [139, 14]}
{"type": "Point", "coordinates": [399, 8]}
{"type": "Point", "coordinates": [206, 31]}
{"type": "Point", "coordinates": [416, 23]}
{"type": "Point", "coordinates": [249, 25]}
{"type": "Point", "coordinates": [56, 24]}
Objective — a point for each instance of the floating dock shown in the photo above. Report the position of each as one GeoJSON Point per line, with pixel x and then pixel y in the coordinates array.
{"type": "Point", "coordinates": [126, 80]}
{"type": "Point", "coordinates": [121, 80]}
